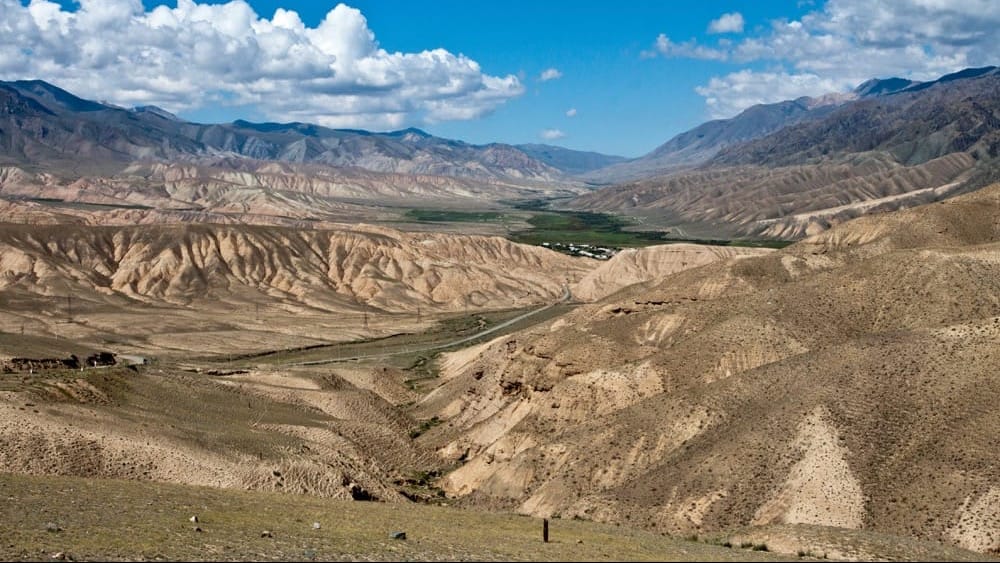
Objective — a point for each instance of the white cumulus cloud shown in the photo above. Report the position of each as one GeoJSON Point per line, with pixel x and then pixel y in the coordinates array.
{"type": "Point", "coordinates": [727, 23]}
{"type": "Point", "coordinates": [727, 96]}
{"type": "Point", "coordinates": [688, 50]}
{"type": "Point", "coordinates": [550, 74]}
{"type": "Point", "coordinates": [551, 134]}
{"type": "Point", "coordinates": [841, 44]}
{"type": "Point", "coordinates": [201, 55]}
{"type": "Point", "coordinates": [571, 112]}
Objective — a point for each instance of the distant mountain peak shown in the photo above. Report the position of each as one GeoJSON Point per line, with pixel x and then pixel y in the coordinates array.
{"type": "Point", "coordinates": [410, 131]}
{"type": "Point", "coordinates": [155, 111]}
{"type": "Point", "coordinates": [569, 160]}
{"type": "Point", "coordinates": [968, 73]}
{"type": "Point", "coordinates": [49, 95]}
{"type": "Point", "coordinates": [886, 86]}
{"type": "Point", "coordinates": [882, 86]}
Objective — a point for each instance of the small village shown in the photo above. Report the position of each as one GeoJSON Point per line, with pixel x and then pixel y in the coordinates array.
{"type": "Point", "coordinates": [587, 250]}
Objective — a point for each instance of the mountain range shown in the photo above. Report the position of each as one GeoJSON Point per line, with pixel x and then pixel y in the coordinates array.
{"type": "Point", "coordinates": [781, 170]}
{"type": "Point", "coordinates": [49, 128]}
{"type": "Point", "coordinates": [897, 144]}
{"type": "Point", "coordinates": [699, 145]}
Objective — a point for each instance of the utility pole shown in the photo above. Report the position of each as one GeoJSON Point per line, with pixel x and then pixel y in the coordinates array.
{"type": "Point", "coordinates": [256, 307]}
{"type": "Point", "coordinates": [69, 307]}
{"type": "Point", "coordinates": [365, 320]}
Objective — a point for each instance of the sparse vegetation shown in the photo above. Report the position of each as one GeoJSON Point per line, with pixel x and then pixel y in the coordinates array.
{"type": "Point", "coordinates": [122, 520]}
{"type": "Point", "coordinates": [424, 427]}
{"type": "Point", "coordinates": [423, 368]}
{"type": "Point", "coordinates": [421, 487]}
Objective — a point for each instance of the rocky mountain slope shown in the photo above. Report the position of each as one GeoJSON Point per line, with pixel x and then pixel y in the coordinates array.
{"type": "Point", "coordinates": [847, 380]}
{"type": "Point", "coordinates": [570, 161]}
{"type": "Point", "coordinates": [900, 144]}
{"type": "Point", "coordinates": [956, 114]}
{"type": "Point", "coordinates": [695, 147]}
{"type": "Point", "coordinates": [792, 201]}
{"type": "Point", "coordinates": [47, 128]}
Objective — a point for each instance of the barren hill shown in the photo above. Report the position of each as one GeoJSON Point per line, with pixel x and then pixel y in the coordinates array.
{"type": "Point", "coordinates": [241, 191]}
{"type": "Point", "coordinates": [787, 202]}
{"type": "Point", "coordinates": [638, 265]}
{"type": "Point", "coordinates": [178, 294]}
{"type": "Point", "coordinates": [198, 280]}
{"type": "Point", "coordinates": [848, 380]}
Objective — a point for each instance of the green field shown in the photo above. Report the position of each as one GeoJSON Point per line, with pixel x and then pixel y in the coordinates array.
{"type": "Point", "coordinates": [450, 216]}
{"type": "Point", "coordinates": [573, 227]}
{"type": "Point", "coordinates": [601, 229]}
{"type": "Point", "coordinates": [581, 227]}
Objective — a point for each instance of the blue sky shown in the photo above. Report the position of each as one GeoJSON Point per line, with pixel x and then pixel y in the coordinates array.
{"type": "Point", "coordinates": [625, 104]}
{"type": "Point", "coordinates": [617, 78]}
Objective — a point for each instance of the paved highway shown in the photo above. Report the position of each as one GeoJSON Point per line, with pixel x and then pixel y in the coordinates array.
{"type": "Point", "coordinates": [565, 297]}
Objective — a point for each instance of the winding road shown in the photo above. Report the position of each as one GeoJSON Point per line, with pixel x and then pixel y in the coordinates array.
{"type": "Point", "coordinates": [565, 297]}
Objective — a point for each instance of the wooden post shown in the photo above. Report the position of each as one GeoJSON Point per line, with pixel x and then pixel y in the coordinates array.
{"type": "Point", "coordinates": [545, 530]}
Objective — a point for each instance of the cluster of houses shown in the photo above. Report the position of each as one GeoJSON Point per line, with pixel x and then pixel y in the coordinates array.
{"type": "Point", "coordinates": [588, 250]}
{"type": "Point", "coordinates": [34, 365]}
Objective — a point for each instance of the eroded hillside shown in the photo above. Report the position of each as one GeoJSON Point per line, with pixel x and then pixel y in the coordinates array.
{"type": "Point", "coordinates": [848, 380]}
{"type": "Point", "coordinates": [234, 191]}
{"type": "Point", "coordinates": [789, 202]}
{"type": "Point", "coordinates": [638, 265]}
{"type": "Point", "coordinates": [241, 287]}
